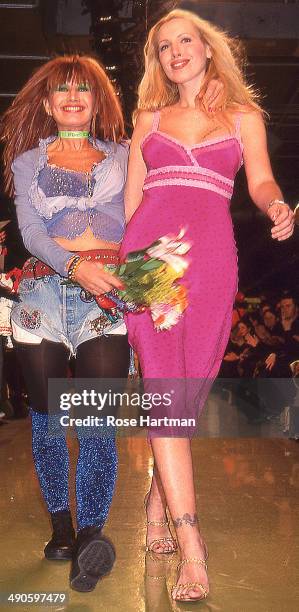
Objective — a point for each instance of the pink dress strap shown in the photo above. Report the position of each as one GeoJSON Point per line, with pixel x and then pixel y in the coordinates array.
{"type": "Point", "coordinates": [156, 121]}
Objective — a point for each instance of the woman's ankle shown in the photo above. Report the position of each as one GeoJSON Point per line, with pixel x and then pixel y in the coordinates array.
{"type": "Point", "coordinates": [155, 502]}
{"type": "Point", "coordinates": [190, 540]}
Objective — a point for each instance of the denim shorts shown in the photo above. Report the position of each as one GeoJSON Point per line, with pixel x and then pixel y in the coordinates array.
{"type": "Point", "coordinates": [54, 309]}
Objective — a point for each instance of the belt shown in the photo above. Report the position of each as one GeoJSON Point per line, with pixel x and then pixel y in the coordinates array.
{"type": "Point", "coordinates": [34, 268]}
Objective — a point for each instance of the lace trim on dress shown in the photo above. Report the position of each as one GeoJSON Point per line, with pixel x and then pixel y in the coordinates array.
{"type": "Point", "coordinates": [204, 143]}
{"type": "Point", "coordinates": [192, 170]}
{"type": "Point", "coordinates": [189, 183]}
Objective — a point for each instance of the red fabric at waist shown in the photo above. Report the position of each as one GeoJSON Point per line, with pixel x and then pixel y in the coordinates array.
{"type": "Point", "coordinates": [34, 268]}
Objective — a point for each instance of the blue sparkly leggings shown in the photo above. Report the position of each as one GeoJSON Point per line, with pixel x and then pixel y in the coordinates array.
{"type": "Point", "coordinates": [103, 357]}
{"type": "Point", "coordinates": [95, 474]}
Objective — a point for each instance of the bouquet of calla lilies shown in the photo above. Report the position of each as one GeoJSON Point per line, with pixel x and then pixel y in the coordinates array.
{"type": "Point", "coordinates": [150, 279]}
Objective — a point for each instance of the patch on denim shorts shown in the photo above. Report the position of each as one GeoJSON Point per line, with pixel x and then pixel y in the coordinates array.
{"type": "Point", "coordinates": [100, 324]}
{"type": "Point", "coordinates": [30, 320]}
{"type": "Point", "coordinates": [86, 296]}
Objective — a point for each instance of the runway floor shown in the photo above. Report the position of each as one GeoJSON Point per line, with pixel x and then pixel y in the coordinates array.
{"type": "Point", "coordinates": [248, 502]}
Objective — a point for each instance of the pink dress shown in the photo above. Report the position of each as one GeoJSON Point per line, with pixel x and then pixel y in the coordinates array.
{"type": "Point", "coordinates": [189, 187]}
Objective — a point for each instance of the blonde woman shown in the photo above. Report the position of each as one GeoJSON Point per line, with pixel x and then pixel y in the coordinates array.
{"type": "Point", "coordinates": [182, 167]}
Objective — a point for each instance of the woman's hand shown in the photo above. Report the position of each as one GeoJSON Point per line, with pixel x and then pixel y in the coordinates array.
{"type": "Point", "coordinates": [251, 340]}
{"type": "Point", "coordinates": [212, 98]}
{"type": "Point", "coordinates": [231, 357]}
{"type": "Point", "coordinates": [283, 219]}
{"type": "Point", "coordinates": [92, 277]}
{"type": "Point", "coordinates": [270, 361]}
{"type": "Point", "coordinates": [244, 355]}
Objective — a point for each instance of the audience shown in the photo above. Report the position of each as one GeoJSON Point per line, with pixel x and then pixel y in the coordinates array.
{"type": "Point", "coordinates": [264, 342]}
{"type": "Point", "coordinates": [13, 399]}
{"type": "Point", "coordinates": [263, 355]}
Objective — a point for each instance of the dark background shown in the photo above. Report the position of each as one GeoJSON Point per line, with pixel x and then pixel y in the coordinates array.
{"type": "Point", "coordinates": [115, 30]}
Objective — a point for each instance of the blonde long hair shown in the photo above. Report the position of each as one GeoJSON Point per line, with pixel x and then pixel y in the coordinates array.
{"type": "Point", "coordinates": [26, 120]}
{"type": "Point", "coordinates": [157, 91]}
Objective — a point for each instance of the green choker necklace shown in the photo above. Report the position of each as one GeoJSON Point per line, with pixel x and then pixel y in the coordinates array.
{"type": "Point", "coordinates": [67, 134]}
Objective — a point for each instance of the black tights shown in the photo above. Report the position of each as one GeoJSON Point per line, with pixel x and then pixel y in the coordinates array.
{"type": "Point", "coordinates": [102, 357]}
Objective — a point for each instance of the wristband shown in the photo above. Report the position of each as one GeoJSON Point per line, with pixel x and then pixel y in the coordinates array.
{"type": "Point", "coordinates": [73, 267]}
{"type": "Point", "coordinates": [70, 261]}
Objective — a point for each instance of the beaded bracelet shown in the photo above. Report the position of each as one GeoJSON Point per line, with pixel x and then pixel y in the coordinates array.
{"type": "Point", "coordinates": [72, 274]}
{"type": "Point", "coordinates": [71, 264]}
{"type": "Point", "coordinates": [74, 266]}
{"type": "Point", "coordinates": [70, 261]}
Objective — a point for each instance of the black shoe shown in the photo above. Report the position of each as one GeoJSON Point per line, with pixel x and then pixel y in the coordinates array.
{"type": "Point", "coordinates": [62, 543]}
{"type": "Point", "coordinates": [94, 557]}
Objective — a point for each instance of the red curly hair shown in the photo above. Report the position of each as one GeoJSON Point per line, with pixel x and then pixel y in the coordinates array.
{"type": "Point", "coordinates": [26, 120]}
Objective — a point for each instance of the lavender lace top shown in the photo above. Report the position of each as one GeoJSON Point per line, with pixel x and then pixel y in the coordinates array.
{"type": "Point", "coordinates": [53, 201]}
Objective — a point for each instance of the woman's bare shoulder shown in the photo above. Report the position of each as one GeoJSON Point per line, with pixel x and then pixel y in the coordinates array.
{"type": "Point", "coordinates": [144, 119]}
{"type": "Point", "coordinates": [246, 112]}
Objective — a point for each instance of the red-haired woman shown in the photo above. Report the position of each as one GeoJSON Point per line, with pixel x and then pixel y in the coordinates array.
{"type": "Point", "coordinates": [65, 157]}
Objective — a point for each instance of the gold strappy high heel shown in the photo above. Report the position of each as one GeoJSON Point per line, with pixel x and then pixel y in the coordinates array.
{"type": "Point", "coordinates": [193, 585]}
{"type": "Point", "coordinates": [172, 542]}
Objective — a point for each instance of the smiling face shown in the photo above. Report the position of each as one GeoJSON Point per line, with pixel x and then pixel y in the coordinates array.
{"type": "Point", "coordinates": [71, 106]}
{"type": "Point", "coordinates": [182, 53]}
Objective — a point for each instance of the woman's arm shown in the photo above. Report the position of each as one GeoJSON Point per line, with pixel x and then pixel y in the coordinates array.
{"type": "Point", "coordinates": [91, 275]}
{"type": "Point", "coordinates": [136, 166]}
{"type": "Point", "coordinates": [32, 227]}
{"type": "Point", "coordinates": [262, 186]}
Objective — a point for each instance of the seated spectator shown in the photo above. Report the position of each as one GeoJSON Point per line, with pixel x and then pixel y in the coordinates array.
{"type": "Point", "coordinates": [240, 356]}
{"type": "Point", "coordinates": [235, 347]}
{"type": "Point", "coordinates": [271, 323]}
{"type": "Point", "coordinates": [289, 326]}
{"type": "Point", "coordinates": [270, 355]}
{"type": "Point", "coordinates": [257, 348]}
{"type": "Point", "coordinates": [239, 309]}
